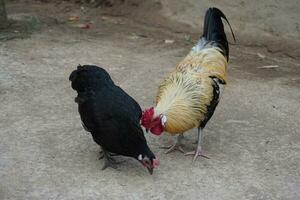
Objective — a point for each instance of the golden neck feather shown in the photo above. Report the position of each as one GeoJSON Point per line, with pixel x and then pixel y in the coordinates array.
{"type": "Point", "coordinates": [184, 95]}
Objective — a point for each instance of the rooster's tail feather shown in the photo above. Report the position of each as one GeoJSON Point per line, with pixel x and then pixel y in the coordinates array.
{"type": "Point", "coordinates": [213, 31]}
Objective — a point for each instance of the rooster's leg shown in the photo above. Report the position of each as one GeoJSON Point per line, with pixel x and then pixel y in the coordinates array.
{"type": "Point", "coordinates": [198, 151]}
{"type": "Point", "coordinates": [176, 146]}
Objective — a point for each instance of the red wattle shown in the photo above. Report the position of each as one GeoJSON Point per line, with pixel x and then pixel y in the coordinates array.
{"type": "Point", "coordinates": [157, 130]}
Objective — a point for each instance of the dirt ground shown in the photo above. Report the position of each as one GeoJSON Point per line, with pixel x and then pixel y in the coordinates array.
{"type": "Point", "coordinates": [252, 140]}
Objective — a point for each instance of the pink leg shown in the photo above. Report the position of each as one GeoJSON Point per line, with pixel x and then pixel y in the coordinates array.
{"type": "Point", "coordinates": [176, 146]}
{"type": "Point", "coordinates": [198, 151]}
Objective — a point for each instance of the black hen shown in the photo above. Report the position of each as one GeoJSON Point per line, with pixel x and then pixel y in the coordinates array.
{"type": "Point", "coordinates": [110, 115]}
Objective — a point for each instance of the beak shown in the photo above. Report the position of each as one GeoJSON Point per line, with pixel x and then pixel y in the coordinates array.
{"type": "Point", "coordinates": [150, 170]}
{"type": "Point", "coordinates": [147, 130]}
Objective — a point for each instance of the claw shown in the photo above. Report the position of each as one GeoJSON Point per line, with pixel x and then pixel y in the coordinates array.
{"type": "Point", "coordinates": [176, 146]}
{"type": "Point", "coordinates": [108, 163]}
{"type": "Point", "coordinates": [196, 153]}
{"type": "Point", "coordinates": [109, 160]}
{"type": "Point", "coordinates": [101, 155]}
{"type": "Point", "coordinates": [173, 147]}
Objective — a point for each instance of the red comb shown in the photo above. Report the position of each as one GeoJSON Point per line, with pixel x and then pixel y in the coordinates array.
{"type": "Point", "coordinates": [147, 117]}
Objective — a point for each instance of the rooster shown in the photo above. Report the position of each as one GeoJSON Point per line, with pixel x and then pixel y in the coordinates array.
{"type": "Point", "coordinates": [111, 116]}
{"type": "Point", "coordinates": [188, 97]}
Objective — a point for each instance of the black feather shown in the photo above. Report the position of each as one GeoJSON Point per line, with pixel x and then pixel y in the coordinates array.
{"type": "Point", "coordinates": [214, 101]}
{"type": "Point", "coordinates": [213, 30]}
{"type": "Point", "coordinates": [109, 113]}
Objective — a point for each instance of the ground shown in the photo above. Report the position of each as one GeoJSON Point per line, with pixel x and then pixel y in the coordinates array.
{"type": "Point", "coordinates": [252, 139]}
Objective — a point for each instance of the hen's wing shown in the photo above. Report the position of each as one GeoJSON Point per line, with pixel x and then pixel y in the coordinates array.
{"type": "Point", "coordinates": [113, 116]}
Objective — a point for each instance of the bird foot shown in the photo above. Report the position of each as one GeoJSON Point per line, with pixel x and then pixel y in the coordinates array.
{"type": "Point", "coordinates": [173, 147]}
{"type": "Point", "coordinates": [101, 153]}
{"type": "Point", "coordinates": [196, 153]}
{"type": "Point", "coordinates": [110, 161]}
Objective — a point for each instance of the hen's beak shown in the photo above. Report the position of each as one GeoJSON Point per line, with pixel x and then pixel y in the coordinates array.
{"type": "Point", "coordinates": [150, 170]}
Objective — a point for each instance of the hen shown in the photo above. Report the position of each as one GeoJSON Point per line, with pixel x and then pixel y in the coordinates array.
{"type": "Point", "coordinates": [111, 116]}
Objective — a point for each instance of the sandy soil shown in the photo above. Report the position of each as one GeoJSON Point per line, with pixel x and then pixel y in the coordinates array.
{"type": "Point", "coordinates": [252, 140]}
{"type": "Point", "coordinates": [249, 18]}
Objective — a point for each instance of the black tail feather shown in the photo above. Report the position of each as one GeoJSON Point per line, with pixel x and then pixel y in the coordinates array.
{"type": "Point", "coordinates": [214, 30]}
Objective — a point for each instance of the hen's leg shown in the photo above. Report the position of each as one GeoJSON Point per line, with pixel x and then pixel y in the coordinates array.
{"type": "Point", "coordinates": [109, 161]}
{"type": "Point", "coordinates": [101, 153]}
{"type": "Point", "coordinates": [198, 151]}
{"type": "Point", "coordinates": [176, 146]}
